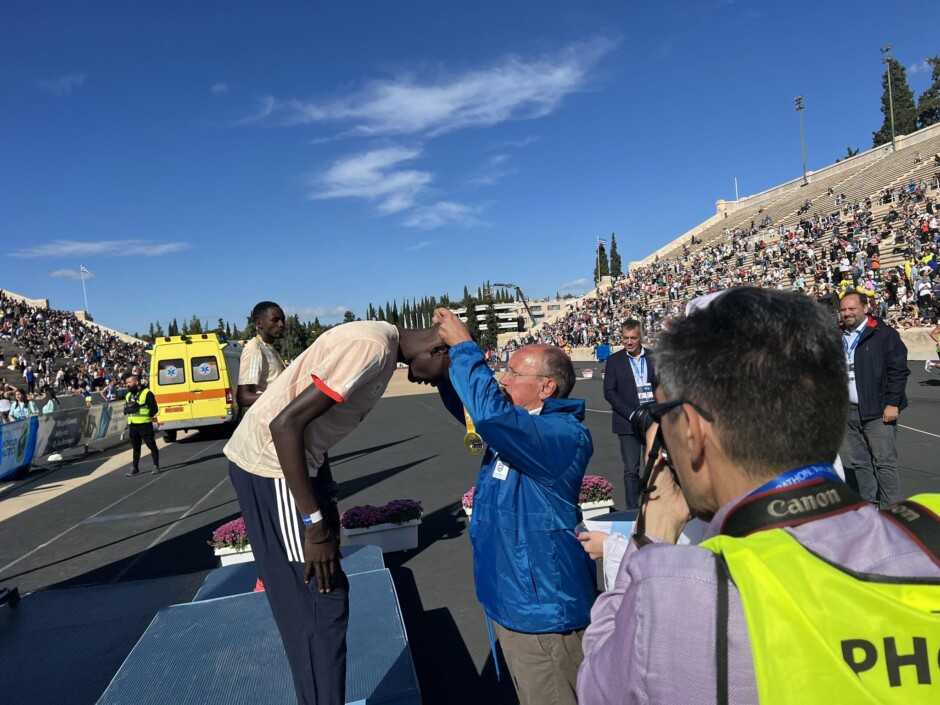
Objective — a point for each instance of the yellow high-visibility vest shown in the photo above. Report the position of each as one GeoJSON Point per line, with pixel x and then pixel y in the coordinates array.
{"type": "Point", "coordinates": [143, 413]}
{"type": "Point", "coordinates": [821, 634]}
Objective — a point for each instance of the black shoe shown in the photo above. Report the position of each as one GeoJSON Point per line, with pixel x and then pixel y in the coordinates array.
{"type": "Point", "coordinates": [156, 471]}
{"type": "Point", "coordinates": [133, 472]}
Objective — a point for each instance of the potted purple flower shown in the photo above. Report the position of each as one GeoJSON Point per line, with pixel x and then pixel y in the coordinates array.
{"type": "Point", "coordinates": [230, 542]}
{"type": "Point", "coordinates": [597, 496]}
{"type": "Point", "coordinates": [391, 527]}
{"type": "Point", "coordinates": [467, 501]}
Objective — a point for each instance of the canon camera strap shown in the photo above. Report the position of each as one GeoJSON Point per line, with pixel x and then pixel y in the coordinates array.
{"type": "Point", "coordinates": [790, 506]}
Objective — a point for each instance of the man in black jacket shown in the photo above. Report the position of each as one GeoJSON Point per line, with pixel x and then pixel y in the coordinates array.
{"type": "Point", "coordinates": [629, 380]}
{"type": "Point", "coordinates": [877, 366]}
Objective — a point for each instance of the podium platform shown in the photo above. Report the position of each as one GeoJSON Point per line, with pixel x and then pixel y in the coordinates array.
{"type": "Point", "coordinates": [227, 651]}
{"type": "Point", "coordinates": [240, 578]}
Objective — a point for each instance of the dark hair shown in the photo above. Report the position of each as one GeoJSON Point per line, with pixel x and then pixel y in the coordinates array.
{"type": "Point", "coordinates": [631, 323]}
{"type": "Point", "coordinates": [770, 367]}
{"type": "Point", "coordinates": [863, 298]}
{"type": "Point", "coordinates": [261, 308]}
{"type": "Point", "coordinates": [557, 365]}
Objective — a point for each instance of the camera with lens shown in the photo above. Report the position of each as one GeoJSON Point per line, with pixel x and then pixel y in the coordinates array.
{"type": "Point", "coordinates": [641, 419]}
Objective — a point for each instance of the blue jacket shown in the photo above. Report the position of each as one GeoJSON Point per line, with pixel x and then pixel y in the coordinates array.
{"type": "Point", "coordinates": [531, 573]}
{"type": "Point", "coordinates": [881, 370]}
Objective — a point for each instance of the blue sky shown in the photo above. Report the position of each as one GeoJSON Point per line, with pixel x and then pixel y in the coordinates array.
{"type": "Point", "coordinates": [199, 157]}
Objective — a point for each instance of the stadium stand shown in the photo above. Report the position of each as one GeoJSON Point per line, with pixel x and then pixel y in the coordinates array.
{"type": "Point", "coordinates": [869, 222]}
{"type": "Point", "coordinates": [64, 351]}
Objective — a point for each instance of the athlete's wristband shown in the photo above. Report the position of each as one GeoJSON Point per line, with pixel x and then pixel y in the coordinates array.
{"type": "Point", "coordinates": [310, 519]}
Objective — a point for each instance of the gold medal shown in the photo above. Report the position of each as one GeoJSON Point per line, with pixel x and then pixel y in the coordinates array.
{"type": "Point", "coordinates": [472, 441]}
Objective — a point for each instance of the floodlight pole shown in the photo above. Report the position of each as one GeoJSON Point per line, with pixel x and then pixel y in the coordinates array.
{"type": "Point", "coordinates": [886, 59]}
{"type": "Point", "coordinates": [798, 102]}
{"type": "Point", "coordinates": [81, 270]}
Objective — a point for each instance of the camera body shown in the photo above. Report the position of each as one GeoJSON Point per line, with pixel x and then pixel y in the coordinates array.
{"type": "Point", "coordinates": [131, 407]}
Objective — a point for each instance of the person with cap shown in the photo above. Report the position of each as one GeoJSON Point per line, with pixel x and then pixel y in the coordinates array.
{"type": "Point", "coordinates": [802, 591]}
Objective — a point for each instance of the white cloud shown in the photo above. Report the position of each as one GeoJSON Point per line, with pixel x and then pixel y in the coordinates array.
{"type": "Point", "coordinates": [443, 213]}
{"type": "Point", "coordinates": [103, 248]}
{"type": "Point", "coordinates": [72, 274]}
{"type": "Point", "coordinates": [308, 313]}
{"type": "Point", "coordinates": [517, 144]}
{"type": "Point", "coordinates": [575, 284]}
{"type": "Point", "coordinates": [419, 246]}
{"type": "Point", "coordinates": [510, 89]}
{"type": "Point", "coordinates": [492, 171]}
{"type": "Point", "coordinates": [63, 86]}
{"type": "Point", "coordinates": [220, 88]}
{"type": "Point", "coordinates": [373, 176]}
{"type": "Point", "coordinates": [922, 67]}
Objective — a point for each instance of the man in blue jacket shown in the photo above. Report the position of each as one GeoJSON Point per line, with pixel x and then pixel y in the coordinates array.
{"type": "Point", "coordinates": [877, 366]}
{"type": "Point", "coordinates": [532, 577]}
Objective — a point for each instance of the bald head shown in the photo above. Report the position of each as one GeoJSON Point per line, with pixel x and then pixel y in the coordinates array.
{"type": "Point", "coordinates": [554, 363]}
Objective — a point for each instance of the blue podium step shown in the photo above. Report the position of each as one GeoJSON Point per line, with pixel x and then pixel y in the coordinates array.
{"type": "Point", "coordinates": [241, 577]}
{"type": "Point", "coordinates": [227, 651]}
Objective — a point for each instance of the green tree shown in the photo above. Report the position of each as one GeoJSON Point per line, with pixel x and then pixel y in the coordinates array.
{"type": "Point", "coordinates": [490, 335]}
{"type": "Point", "coordinates": [469, 303]}
{"type": "Point", "coordinates": [173, 328]}
{"type": "Point", "coordinates": [195, 325]}
{"type": "Point", "coordinates": [159, 331]}
{"type": "Point", "coordinates": [616, 266]}
{"type": "Point", "coordinates": [928, 107]}
{"type": "Point", "coordinates": [151, 333]}
{"type": "Point", "coordinates": [293, 342]}
{"type": "Point", "coordinates": [601, 266]}
{"type": "Point", "coordinates": [349, 317]}
{"type": "Point", "coordinates": [905, 112]}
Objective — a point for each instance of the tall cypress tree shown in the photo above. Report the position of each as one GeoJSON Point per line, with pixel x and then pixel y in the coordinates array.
{"type": "Point", "coordinates": [905, 112]}
{"type": "Point", "coordinates": [601, 266]}
{"type": "Point", "coordinates": [616, 266]}
{"type": "Point", "coordinates": [928, 107]}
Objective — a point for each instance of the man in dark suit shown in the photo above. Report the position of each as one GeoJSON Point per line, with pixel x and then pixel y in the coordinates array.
{"type": "Point", "coordinates": [629, 381]}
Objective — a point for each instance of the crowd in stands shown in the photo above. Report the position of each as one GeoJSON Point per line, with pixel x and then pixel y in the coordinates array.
{"type": "Point", "coordinates": [822, 254]}
{"type": "Point", "coordinates": [45, 352]}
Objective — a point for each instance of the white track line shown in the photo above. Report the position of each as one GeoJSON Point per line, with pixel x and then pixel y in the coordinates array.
{"type": "Point", "coordinates": [926, 433]}
{"type": "Point", "coordinates": [98, 513]}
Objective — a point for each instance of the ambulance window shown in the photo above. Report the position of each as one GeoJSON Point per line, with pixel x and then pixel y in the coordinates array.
{"type": "Point", "coordinates": [171, 372]}
{"type": "Point", "coordinates": [205, 369]}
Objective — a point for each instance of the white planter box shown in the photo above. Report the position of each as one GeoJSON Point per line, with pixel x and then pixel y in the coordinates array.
{"type": "Point", "coordinates": [230, 556]}
{"type": "Point", "coordinates": [589, 510]}
{"type": "Point", "coordinates": [388, 537]}
{"type": "Point", "coordinates": [587, 373]}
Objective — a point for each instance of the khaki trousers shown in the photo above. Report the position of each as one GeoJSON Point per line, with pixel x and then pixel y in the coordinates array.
{"type": "Point", "coordinates": [544, 667]}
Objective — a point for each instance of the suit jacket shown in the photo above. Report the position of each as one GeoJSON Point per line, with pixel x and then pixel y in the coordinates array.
{"type": "Point", "coordinates": [620, 388]}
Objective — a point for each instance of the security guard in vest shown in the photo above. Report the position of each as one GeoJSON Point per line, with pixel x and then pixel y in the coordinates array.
{"type": "Point", "coordinates": [801, 592]}
{"type": "Point", "coordinates": [140, 406]}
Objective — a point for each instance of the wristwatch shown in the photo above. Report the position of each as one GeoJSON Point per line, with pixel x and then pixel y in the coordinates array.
{"type": "Point", "coordinates": [310, 519]}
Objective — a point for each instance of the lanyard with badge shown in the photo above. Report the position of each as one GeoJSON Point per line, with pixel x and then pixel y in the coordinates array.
{"type": "Point", "coordinates": [644, 390]}
{"type": "Point", "coordinates": [850, 354]}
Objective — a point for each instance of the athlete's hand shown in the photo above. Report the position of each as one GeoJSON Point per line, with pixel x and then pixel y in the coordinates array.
{"type": "Point", "coordinates": [321, 554]}
{"type": "Point", "coordinates": [453, 330]}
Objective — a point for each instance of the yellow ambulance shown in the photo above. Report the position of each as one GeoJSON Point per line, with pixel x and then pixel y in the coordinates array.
{"type": "Point", "coordinates": [194, 378]}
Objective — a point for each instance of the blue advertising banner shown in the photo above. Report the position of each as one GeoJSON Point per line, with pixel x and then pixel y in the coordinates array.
{"type": "Point", "coordinates": [16, 450]}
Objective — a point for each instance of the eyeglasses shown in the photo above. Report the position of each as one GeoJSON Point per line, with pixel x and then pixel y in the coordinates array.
{"type": "Point", "coordinates": [512, 374]}
{"type": "Point", "coordinates": [658, 410]}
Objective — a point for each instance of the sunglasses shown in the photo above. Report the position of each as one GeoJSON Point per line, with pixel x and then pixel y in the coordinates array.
{"type": "Point", "coordinates": [658, 410]}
